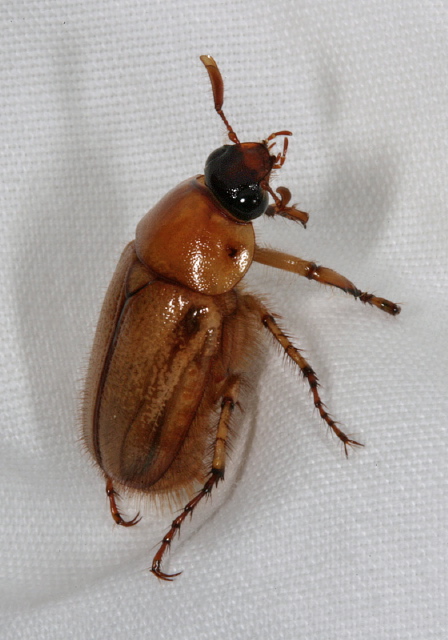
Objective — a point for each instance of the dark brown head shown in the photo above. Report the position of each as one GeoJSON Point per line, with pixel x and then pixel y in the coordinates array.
{"type": "Point", "coordinates": [238, 175]}
{"type": "Point", "coordinates": [235, 173]}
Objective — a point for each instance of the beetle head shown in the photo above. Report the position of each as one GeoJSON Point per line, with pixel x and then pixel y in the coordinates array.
{"type": "Point", "coordinates": [236, 175]}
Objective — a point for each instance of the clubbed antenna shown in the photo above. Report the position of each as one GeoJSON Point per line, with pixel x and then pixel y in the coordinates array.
{"type": "Point", "coordinates": [218, 92]}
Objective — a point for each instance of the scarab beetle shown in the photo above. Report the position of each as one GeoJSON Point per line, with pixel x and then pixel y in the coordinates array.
{"type": "Point", "coordinates": [176, 331]}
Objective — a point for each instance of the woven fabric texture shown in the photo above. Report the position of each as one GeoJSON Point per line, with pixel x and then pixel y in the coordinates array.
{"type": "Point", "coordinates": [105, 107]}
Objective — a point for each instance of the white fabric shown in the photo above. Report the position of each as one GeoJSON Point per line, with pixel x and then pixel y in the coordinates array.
{"type": "Point", "coordinates": [106, 106]}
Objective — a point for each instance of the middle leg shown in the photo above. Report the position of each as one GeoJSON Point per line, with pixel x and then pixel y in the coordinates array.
{"type": "Point", "coordinates": [308, 373]}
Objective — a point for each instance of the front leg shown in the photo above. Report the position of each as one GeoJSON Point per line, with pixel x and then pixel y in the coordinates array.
{"type": "Point", "coordinates": [312, 271]}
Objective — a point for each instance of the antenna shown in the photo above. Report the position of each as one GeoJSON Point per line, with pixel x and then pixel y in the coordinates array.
{"type": "Point", "coordinates": [218, 92]}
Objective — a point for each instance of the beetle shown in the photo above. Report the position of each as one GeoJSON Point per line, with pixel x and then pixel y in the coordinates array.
{"type": "Point", "coordinates": [177, 330]}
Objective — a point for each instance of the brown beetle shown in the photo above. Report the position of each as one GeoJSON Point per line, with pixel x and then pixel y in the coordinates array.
{"type": "Point", "coordinates": [176, 331]}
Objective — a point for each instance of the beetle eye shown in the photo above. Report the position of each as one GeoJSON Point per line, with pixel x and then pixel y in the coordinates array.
{"type": "Point", "coordinates": [247, 202]}
{"type": "Point", "coordinates": [235, 184]}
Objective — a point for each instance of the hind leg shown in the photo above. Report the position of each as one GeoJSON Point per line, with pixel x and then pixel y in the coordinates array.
{"type": "Point", "coordinates": [116, 515]}
{"type": "Point", "coordinates": [228, 401]}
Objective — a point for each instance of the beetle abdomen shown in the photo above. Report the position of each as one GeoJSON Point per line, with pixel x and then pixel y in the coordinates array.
{"type": "Point", "coordinates": [155, 382]}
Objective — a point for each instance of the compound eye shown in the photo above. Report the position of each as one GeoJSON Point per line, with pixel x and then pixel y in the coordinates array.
{"type": "Point", "coordinates": [248, 202]}
{"type": "Point", "coordinates": [235, 183]}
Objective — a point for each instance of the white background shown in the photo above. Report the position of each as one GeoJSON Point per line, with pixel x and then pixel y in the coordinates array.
{"type": "Point", "coordinates": [105, 106]}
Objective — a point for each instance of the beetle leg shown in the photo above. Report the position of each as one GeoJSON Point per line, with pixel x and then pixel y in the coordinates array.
{"type": "Point", "coordinates": [308, 373]}
{"type": "Point", "coordinates": [228, 402]}
{"type": "Point", "coordinates": [312, 271]}
{"type": "Point", "coordinates": [116, 515]}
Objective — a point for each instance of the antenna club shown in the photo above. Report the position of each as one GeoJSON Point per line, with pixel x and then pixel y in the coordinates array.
{"type": "Point", "coordinates": [208, 61]}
